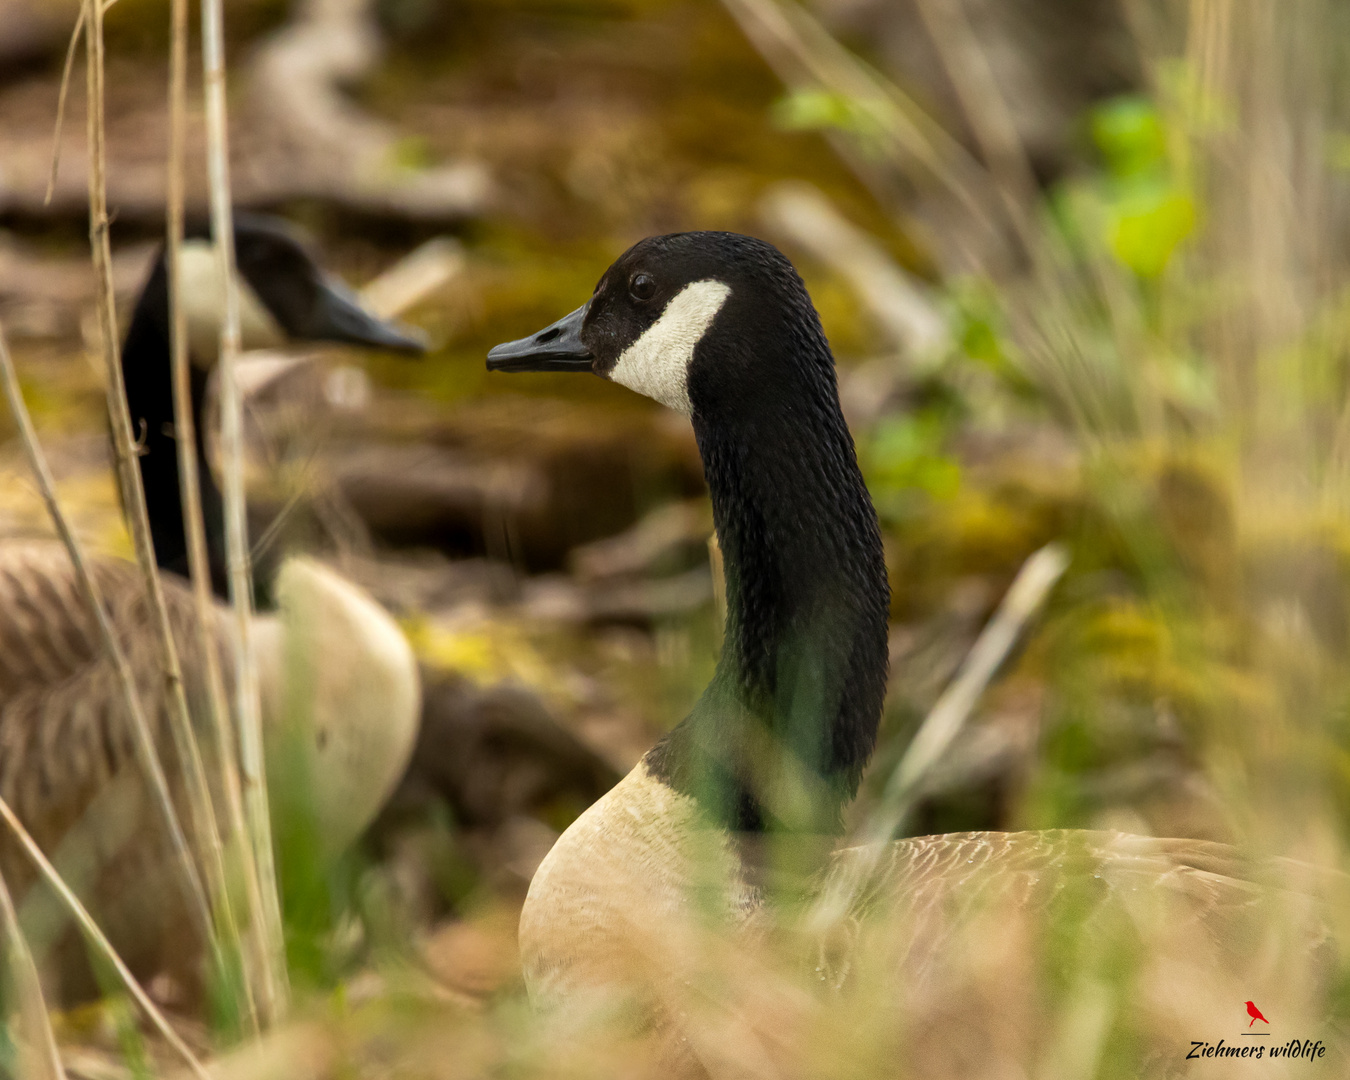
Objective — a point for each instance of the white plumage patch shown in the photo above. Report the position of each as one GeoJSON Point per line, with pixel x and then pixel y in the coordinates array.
{"type": "Point", "coordinates": [657, 364]}
{"type": "Point", "coordinates": [204, 303]}
{"type": "Point", "coordinates": [341, 697]}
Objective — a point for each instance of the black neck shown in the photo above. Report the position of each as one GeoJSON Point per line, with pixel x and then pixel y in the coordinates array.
{"type": "Point", "coordinates": [781, 735]}
{"type": "Point", "coordinates": [147, 365]}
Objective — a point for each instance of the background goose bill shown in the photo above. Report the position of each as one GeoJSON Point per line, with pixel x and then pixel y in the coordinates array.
{"type": "Point", "coordinates": [555, 348]}
{"type": "Point", "coordinates": [339, 316]}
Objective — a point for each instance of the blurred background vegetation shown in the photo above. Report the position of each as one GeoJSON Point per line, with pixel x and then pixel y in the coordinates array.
{"type": "Point", "coordinates": [1083, 265]}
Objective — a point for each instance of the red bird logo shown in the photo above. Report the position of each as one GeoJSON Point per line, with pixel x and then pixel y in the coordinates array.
{"type": "Point", "coordinates": [1255, 1014]}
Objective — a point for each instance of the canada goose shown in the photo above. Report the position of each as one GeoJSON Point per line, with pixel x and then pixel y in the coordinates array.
{"type": "Point", "coordinates": [283, 295]}
{"type": "Point", "coordinates": [67, 764]}
{"type": "Point", "coordinates": [720, 327]}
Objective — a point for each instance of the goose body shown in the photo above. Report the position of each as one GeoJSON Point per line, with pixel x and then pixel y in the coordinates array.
{"type": "Point", "coordinates": [335, 669]}
{"type": "Point", "coordinates": [720, 327]}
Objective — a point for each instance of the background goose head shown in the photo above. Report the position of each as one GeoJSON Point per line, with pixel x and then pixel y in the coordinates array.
{"type": "Point", "coordinates": [284, 295]}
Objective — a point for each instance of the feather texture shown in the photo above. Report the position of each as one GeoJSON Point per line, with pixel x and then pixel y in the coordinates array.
{"type": "Point", "coordinates": [67, 756]}
{"type": "Point", "coordinates": [338, 678]}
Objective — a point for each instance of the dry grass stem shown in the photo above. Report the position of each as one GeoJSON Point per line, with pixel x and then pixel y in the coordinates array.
{"type": "Point", "coordinates": [40, 1058]}
{"type": "Point", "coordinates": [100, 943]}
{"type": "Point", "coordinates": [193, 521]}
{"type": "Point", "coordinates": [945, 720]}
{"type": "Point", "coordinates": [248, 708]}
{"type": "Point", "coordinates": [133, 495]}
{"type": "Point", "coordinates": [992, 124]}
{"type": "Point", "coordinates": [75, 36]}
{"type": "Point", "coordinates": [803, 54]}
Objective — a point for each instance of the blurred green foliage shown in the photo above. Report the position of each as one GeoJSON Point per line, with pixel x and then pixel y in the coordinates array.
{"type": "Point", "coordinates": [904, 455]}
{"type": "Point", "coordinates": [1137, 205]}
{"type": "Point", "coordinates": [1147, 208]}
{"type": "Point", "coordinates": [814, 109]}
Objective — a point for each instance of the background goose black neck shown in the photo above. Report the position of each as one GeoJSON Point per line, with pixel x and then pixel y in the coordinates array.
{"type": "Point", "coordinates": [289, 297]}
{"type": "Point", "coordinates": [147, 363]}
{"type": "Point", "coordinates": [794, 706]}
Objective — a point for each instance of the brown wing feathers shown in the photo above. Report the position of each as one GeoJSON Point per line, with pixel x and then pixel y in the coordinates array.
{"type": "Point", "coordinates": [64, 731]}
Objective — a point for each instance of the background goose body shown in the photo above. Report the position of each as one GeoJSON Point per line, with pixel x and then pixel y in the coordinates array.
{"type": "Point", "coordinates": [339, 680]}
{"type": "Point", "coordinates": [720, 326]}
{"type": "Point", "coordinates": [67, 759]}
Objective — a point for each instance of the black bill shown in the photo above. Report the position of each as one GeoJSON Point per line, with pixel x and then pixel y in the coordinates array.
{"type": "Point", "coordinates": [555, 348]}
{"type": "Point", "coordinates": [339, 316]}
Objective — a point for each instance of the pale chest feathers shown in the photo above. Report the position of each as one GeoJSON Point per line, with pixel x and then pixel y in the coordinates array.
{"type": "Point", "coordinates": [341, 696]}
{"type": "Point", "coordinates": [624, 890]}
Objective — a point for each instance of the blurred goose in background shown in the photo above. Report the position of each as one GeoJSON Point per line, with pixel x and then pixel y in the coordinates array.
{"type": "Point", "coordinates": [329, 658]}
{"type": "Point", "coordinates": [720, 327]}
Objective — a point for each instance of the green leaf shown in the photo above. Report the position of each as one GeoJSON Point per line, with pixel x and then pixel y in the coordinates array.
{"type": "Point", "coordinates": [1145, 225]}
{"type": "Point", "coordinates": [1130, 136]}
{"type": "Point", "coordinates": [811, 109]}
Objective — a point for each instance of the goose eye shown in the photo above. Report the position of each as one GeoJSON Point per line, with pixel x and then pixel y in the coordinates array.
{"type": "Point", "coordinates": [643, 287]}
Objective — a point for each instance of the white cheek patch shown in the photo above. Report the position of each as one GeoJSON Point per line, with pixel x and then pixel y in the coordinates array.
{"type": "Point", "coordinates": [204, 305]}
{"type": "Point", "coordinates": [657, 364]}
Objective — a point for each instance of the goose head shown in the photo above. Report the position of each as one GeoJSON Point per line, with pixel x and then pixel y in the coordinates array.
{"type": "Point", "coordinates": [284, 295]}
{"type": "Point", "coordinates": [703, 322]}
